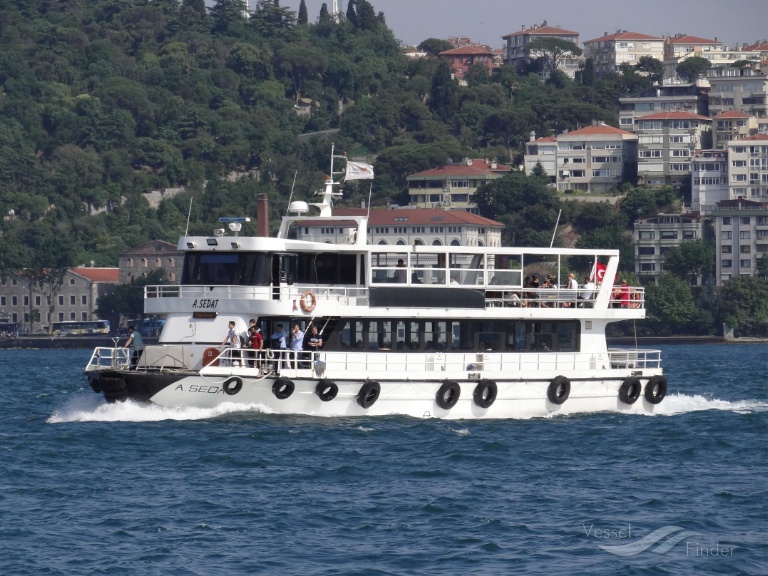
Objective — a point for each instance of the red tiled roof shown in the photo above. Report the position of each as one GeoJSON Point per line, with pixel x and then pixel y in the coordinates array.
{"type": "Point", "coordinates": [760, 46]}
{"type": "Point", "coordinates": [543, 31]}
{"type": "Point", "coordinates": [416, 217]}
{"type": "Point", "coordinates": [624, 36]}
{"type": "Point", "coordinates": [544, 139]}
{"type": "Point", "coordinates": [755, 137]}
{"type": "Point", "coordinates": [106, 275]}
{"type": "Point", "coordinates": [596, 130]}
{"type": "Point", "coordinates": [467, 51]}
{"type": "Point", "coordinates": [732, 114]}
{"type": "Point", "coordinates": [674, 116]}
{"type": "Point", "coordinates": [477, 168]}
{"type": "Point", "coordinates": [686, 39]}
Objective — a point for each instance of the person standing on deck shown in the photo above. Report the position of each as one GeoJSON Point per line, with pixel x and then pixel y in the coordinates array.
{"type": "Point", "coordinates": [137, 342]}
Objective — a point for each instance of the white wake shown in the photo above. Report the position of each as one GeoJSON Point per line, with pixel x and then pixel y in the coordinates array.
{"type": "Point", "coordinates": [682, 404]}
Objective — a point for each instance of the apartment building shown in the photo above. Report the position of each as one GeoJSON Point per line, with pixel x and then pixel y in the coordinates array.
{"type": "Point", "coordinates": [656, 235]}
{"type": "Point", "coordinates": [542, 151]}
{"type": "Point", "coordinates": [662, 98]}
{"type": "Point", "coordinates": [666, 143]}
{"type": "Point", "coordinates": [516, 43]}
{"type": "Point", "coordinates": [463, 58]}
{"type": "Point", "coordinates": [709, 182]}
{"type": "Point", "coordinates": [409, 227]}
{"type": "Point", "coordinates": [682, 46]}
{"type": "Point", "coordinates": [743, 89]}
{"type": "Point", "coordinates": [451, 187]}
{"type": "Point", "coordinates": [610, 51]}
{"type": "Point", "coordinates": [741, 235]}
{"type": "Point", "coordinates": [76, 299]}
{"type": "Point", "coordinates": [732, 125]}
{"type": "Point", "coordinates": [748, 168]}
{"type": "Point", "coordinates": [593, 159]}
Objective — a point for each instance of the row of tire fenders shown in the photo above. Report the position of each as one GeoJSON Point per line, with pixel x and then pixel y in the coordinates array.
{"type": "Point", "coordinates": [448, 394]}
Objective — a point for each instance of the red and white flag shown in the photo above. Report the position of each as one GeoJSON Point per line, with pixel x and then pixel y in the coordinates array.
{"type": "Point", "coordinates": [598, 272]}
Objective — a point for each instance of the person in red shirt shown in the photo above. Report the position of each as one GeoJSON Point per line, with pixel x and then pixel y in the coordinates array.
{"type": "Point", "coordinates": [257, 343]}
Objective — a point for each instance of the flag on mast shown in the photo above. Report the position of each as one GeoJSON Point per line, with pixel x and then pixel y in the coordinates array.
{"type": "Point", "coordinates": [359, 171]}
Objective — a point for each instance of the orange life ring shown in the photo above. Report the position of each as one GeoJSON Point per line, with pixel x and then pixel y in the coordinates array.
{"type": "Point", "coordinates": [308, 301]}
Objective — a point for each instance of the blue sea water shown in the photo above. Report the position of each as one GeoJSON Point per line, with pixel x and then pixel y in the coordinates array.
{"type": "Point", "coordinates": [91, 488]}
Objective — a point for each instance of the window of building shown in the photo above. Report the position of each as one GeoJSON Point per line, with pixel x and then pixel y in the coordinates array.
{"type": "Point", "coordinates": [745, 249]}
{"type": "Point", "coordinates": [26, 300]}
{"type": "Point", "coordinates": [2, 301]}
{"type": "Point", "coordinates": [144, 263]}
{"type": "Point", "coordinates": [727, 221]}
{"type": "Point", "coordinates": [727, 264]}
{"type": "Point", "coordinates": [647, 266]}
{"type": "Point", "coordinates": [71, 281]}
{"type": "Point", "coordinates": [84, 316]}
{"type": "Point", "coordinates": [745, 263]}
{"type": "Point", "coordinates": [61, 300]}
{"type": "Point", "coordinates": [72, 300]}
{"type": "Point", "coordinates": [745, 235]}
{"type": "Point", "coordinates": [726, 249]}
{"type": "Point", "coordinates": [61, 316]}
{"type": "Point", "coordinates": [669, 234]}
{"type": "Point", "coordinates": [726, 235]}
{"type": "Point", "coordinates": [646, 235]}
{"type": "Point", "coordinates": [744, 219]}
{"type": "Point", "coordinates": [646, 250]}
{"type": "Point", "coordinates": [72, 316]}
{"type": "Point", "coordinates": [84, 300]}
{"type": "Point", "coordinates": [689, 234]}
{"type": "Point", "coordinates": [37, 300]}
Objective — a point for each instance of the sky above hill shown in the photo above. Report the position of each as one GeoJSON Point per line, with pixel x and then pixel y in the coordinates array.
{"type": "Point", "coordinates": [486, 21]}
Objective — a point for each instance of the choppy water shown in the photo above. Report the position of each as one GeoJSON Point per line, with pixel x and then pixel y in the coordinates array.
{"type": "Point", "coordinates": [91, 488]}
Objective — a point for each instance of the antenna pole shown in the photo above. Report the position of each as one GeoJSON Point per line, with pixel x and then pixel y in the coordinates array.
{"type": "Point", "coordinates": [370, 191]}
{"type": "Point", "coordinates": [555, 230]}
{"type": "Point", "coordinates": [291, 194]}
{"type": "Point", "coordinates": [189, 213]}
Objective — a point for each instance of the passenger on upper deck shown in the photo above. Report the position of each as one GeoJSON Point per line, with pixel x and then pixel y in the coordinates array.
{"type": "Point", "coordinates": [401, 274]}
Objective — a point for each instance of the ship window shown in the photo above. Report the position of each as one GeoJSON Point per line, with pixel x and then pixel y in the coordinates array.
{"type": "Point", "coordinates": [210, 268]}
{"type": "Point", "coordinates": [326, 268]}
{"type": "Point", "coordinates": [435, 335]}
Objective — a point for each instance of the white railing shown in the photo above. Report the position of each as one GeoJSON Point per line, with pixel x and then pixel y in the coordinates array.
{"type": "Point", "coordinates": [115, 358]}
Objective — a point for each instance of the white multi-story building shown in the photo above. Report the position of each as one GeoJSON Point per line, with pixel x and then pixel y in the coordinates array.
{"type": "Point", "coordinates": [709, 184]}
{"type": "Point", "coordinates": [748, 168]}
{"type": "Point", "coordinates": [656, 235]}
{"type": "Point", "coordinates": [590, 160]}
{"type": "Point", "coordinates": [683, 45]}
{"type": "Point", "coordinates": [515, 49]}
{"type": "Point", "coordinates": [666, 144]}
{"type": "Point", "coordinates": [732, 125]}
{"type": "Point", "coordinates": [741, 235]}
{"type": "Point", "coordinates": [542, 151]}
{"type": "Point", "coordinates": [409, 227]}
{"type": "Point", "coordinates": [662, 98]}
{"type": "Point", "coordinates": [610, 51]}
{"type": "Point", "coordinates": [743, 89]}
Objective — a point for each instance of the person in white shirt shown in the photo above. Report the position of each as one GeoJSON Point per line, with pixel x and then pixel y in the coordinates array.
{"type": "Point", "coordinates": [588, 291]}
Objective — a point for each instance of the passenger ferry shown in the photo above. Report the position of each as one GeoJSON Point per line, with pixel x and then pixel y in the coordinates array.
{"type": "Point", "coordinates": [424, 331]}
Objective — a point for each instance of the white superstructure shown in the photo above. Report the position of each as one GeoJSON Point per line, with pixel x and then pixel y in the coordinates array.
{"type": "Point", "coordinates": [442, 331]}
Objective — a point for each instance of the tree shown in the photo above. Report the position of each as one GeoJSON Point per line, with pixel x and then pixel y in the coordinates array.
{"type": "Point", "coordinates": [744, 305]}
{"type": "Point", "coordinates": [690, 261]}
{"type": "Point", "coordinates": [433, 46]}
{"type": "Point", "coordinates": [552, 51]}
{"type": "Point", "coordinates": [299, 63]}
{"type": "Point", "coordinates": [303, 18]}
{"type": "Point", "coordinates": [351, 14]}
{"type": "Point", "coordinates": [127, 300]}
{"type": "Point", "coordinates": [651, 67]}
{"type": "Point", "coordinates": [692, 68]}
{"type": "Point", "coordinates": [444, 93]}
{"type": "Point", "coordinates": [672, 310]}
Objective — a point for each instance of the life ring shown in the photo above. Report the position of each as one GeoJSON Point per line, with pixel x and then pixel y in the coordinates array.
{"type": "Point", "coordinates": [448, 394]}
{"type": "Point", "coordinates": [369, 393]}
{"type": "Point", "coordinates": [282, 388]}
{"type": "Point", "coordinates": [270, 354]}
{"type": "Point", "coordinates": [630, 390]}
{"type": "Point", "coordinates": [308, 301]}
{"type": "Point", "coordinates": [233, 385]}
{"type": "Point", "coordinates": [559, 390]}
{"type": "Point", "coordinates": [485, 393]}
{"type": "Point", "coordinates": [326, 390]}
{"type": "Point", "coordinates": [656, 389]}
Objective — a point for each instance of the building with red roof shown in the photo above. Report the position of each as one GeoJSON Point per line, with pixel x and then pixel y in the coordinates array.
{"type": "Point", "coordinates": [451, 186]}
{"type": "Point", "coordinates": [733, 125]}
{"type": "Point", "coordinates": [516, 53]}
{"type": "Point", "coordinates": [684, 45]}
{"type": "Point", "coordinates": [660, 98]}
{"type": "Point", "coordinates": [741, 89]}
{"type": "Point", "coordinates": [610, 51]}
{"type": "Point", "coordinates": [408, 227]}
{"type": "Point", "coordinates": [463, 58]}
{"type": "Point", "coordinates": [667, 142]}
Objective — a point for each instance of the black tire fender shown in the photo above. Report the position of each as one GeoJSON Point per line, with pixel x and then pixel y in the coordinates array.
{"type": "Point", "coordinates": [233, 385]}
{"type": "Point", "coordinates": [448, 394]}
{"type": "Point", "coordinates": [326, 390]}
{"type": "Point", "coordinates": [559, 390]}
{"type": "Point", "coordinates": [282, 388]}
{"type": "Point", "coordinates": [656, 389]}
{"type": "Point", "coordinates": [485, 393]}
{"type": "Point", "coordinates": [630, 390]}
{"type": "Point", "coordinates": [369, 393]}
